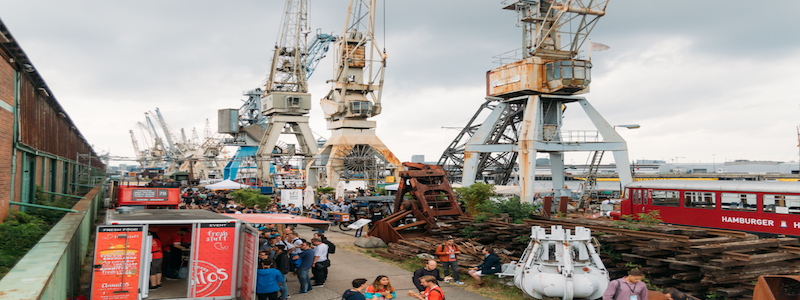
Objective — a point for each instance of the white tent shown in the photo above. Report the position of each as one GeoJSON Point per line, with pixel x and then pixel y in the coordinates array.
{"type": "Point", "coordinates": [226, 185]}
{"type": "Point", "coordinates": [392, 187]}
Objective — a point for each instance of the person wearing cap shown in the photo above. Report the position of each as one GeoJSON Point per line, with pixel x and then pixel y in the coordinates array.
{"type": "Point", "coordinates": [448, 255]}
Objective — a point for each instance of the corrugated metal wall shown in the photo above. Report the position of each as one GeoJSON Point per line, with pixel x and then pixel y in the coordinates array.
{"type": "Point", "coordinates": [42, 128]}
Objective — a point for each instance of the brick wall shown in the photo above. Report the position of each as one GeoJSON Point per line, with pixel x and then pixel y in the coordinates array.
{"type": "Point", "coordinates": [6, 135]}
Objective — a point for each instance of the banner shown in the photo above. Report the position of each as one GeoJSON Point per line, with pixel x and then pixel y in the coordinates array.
{"type": "Point", "coordinates": [249, 263]}
{"type": "Point", "coordinates": [212, 265]}
{"type": "Point", "coordinates": [117, 257]}
{"type": "Point", "coordinates": [294, 196]}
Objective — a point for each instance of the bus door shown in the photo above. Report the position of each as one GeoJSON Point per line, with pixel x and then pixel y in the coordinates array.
{"type": "Point", "coordinates": [249, 254]}
{"type": "Point", "coordinates": [121, 262]}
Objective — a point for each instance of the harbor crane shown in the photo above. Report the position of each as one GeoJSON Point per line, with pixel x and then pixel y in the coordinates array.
{"type": "Point", "coordinates": [139, 154]}
{"type": "Point", "coordinates": [354, 152]}
{"type": "Point", "coordinates": [286, 101]}
{"type": "Point", "coordinates": [526, 100]}
{"type": "Point", "coordinates": [293, 63]}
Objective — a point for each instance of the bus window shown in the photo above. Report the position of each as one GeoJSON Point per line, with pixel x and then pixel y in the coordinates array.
{"type": "Point", "coordinates": [699, 200]}
{"type": "Point", "coordinates": [782, 204]}
{"type": "Point", "coordinates": [644, 197]}
{"type": "Point", "coordinates": [635, 196]}
{"type": "Point", "coordinates": [666, 198]}
{"type": "Point", "coordinates": [739, 202]}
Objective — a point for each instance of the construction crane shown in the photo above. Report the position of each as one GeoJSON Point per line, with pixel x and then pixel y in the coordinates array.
{"type": "Point", "coordinates": [354, 152]}
{"type": "Point", "coordinates": [174, 151]}
{"type": "Point", "coordinates": [158, 144]}
{"type": "Point", "coordinates": [145, 132]}
{"type": "Point", "coordinates": [286, 101]}
{"type": "Point", "coordinates": [139, 154]}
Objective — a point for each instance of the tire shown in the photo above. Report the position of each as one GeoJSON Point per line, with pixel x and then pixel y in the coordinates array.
{"type": "Point", "coordinates": [343, 226]}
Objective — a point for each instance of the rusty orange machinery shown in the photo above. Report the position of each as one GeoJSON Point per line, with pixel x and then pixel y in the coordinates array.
{"type": "Point", "coordinates": [433, 199]}
{"type": "Point", "coordinates": [535, 75]}
{"type": "Point", "coordinates": [148, 197]}
{"type": "Point", "coordinates": [777, 287]}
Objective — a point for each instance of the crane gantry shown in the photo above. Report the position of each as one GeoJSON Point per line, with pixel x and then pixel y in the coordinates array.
{"type": "Point", "coordinates": [354, 151]}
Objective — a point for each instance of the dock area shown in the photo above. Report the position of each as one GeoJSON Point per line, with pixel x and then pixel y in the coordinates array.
{"type": "Point", "coordinates": [348, 264]}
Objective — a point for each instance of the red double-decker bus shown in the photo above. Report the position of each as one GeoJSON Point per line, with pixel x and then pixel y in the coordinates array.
{"type": "Point", "coordinates": [770, 207]}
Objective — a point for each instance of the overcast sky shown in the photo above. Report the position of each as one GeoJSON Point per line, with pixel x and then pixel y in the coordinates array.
{"type": "Point", "coordinates": [706, 80]}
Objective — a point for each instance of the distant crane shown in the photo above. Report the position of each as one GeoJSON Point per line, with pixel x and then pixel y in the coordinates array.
{"type": "Point", "coordinates": [139, 153]}
{"type": "Point", "coordinates": [354, 152]}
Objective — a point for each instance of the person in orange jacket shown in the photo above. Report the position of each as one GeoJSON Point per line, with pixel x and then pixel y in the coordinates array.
{"type": "Point", "coordinates": [448, 255]}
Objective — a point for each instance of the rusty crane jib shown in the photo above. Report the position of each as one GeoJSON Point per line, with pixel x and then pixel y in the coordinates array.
{"type": "Point", "coordinates": [433, 198]}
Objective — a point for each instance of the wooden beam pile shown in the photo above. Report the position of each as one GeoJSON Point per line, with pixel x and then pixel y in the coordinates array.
{"type": "Point", "coordinates": [692, 259]}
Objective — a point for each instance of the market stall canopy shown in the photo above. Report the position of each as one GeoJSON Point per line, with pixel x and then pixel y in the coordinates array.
{"type": "Point", "coordinates": [226, 185]}
{"type": "Point", "coordinates": [392, 187]}
{"type": "Point", "coordinates": [280, 219]}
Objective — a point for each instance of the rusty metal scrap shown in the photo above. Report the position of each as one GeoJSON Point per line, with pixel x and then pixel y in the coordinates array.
{"type": "Point", "coordinates": [433, 198]}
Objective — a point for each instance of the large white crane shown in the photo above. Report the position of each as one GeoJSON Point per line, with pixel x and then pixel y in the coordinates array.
{"type": "Point", "coordinates": [286, 101]}
{"type": "Point", "coordinates": [354, 152]}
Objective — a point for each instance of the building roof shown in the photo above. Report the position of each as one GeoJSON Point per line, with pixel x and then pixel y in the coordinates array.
{"type": "Point", "coordinates": [166, 216]}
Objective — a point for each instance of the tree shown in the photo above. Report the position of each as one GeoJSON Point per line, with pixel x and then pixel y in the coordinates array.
{"type": "Point", "coordinates": [325, 190]}
{"type": "Point", "coordinates": [475, 195]}
{"type": "Point", "coordinates": [251, 197]}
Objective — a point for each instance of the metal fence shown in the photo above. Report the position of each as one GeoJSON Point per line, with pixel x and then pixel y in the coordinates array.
{"type": "Point", "coordinates": [52, 268]}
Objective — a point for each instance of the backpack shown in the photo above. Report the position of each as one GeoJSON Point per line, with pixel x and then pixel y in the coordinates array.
{"type": "Point", "coordinates": [619, 284]}
{"type": "Point", "coordinates": [353, 210]}
{"type": "Point", "coordinates": [331, 246]}
{"type": "Point", "coordinates": [440, 293]}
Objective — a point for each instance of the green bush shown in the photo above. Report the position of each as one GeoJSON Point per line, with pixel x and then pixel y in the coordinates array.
{"type": "Point", "coordinates": [325, 190]}
{"type": "Point", "coordinates": [475, 195]}
{"type": "Point", "coordinates": [251, 197]}
{"type": "Point", "coordinates": [18, 234]}
{"type": "Point", "coordinates": [516, 209]}
{"type": "Point", "coordinates": [50, 216]}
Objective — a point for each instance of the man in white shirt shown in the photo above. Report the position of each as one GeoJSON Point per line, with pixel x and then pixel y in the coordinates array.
{"type": "Point", "coordinates": [294, 240]}
{"type": "Point", "coordinates": [321, 263]}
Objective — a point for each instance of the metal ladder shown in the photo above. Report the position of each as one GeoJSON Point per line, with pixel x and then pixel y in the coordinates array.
{"type": "Point", "coordinates": [591, 180]}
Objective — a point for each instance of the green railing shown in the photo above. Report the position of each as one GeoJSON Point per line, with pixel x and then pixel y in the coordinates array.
{"type": "Point", "coordinates": [52, 268]}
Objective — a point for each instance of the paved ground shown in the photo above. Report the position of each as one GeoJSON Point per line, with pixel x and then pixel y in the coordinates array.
{"type": "Point", "coordinates": [348, 265]}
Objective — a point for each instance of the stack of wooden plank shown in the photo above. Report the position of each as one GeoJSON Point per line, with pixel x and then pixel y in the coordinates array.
{"type": "Point", "coordinates": [696, 260]}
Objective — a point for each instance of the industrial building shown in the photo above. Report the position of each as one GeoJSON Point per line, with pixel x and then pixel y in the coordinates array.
{"type": "Point", "coordinates": [39, 143]}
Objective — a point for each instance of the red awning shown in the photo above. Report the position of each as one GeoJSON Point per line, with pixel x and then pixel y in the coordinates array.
{"type": "Point", "coordinates": [280, 219]}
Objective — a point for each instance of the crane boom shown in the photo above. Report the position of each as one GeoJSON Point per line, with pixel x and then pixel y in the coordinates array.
{"type": "Point", "coordinates": [359, 69]}
{"type": "Point", "coordinates": [167, 132]}
{"type": "Point", "coordinates": [136, 148]}
{"type": "Point", "coordinates": [286, 73]}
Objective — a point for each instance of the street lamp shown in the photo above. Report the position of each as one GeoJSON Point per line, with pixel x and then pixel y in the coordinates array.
{"type": "Point", "coordinates": [714, 162]}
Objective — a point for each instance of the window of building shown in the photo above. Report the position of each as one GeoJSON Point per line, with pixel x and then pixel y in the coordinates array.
{"type": "Point", "coordinates": [782, 204]}
{"type": "Point", "coordinates": [740, 202]}
{"type": "Point", "coordinates": [699, 200]}
{"type": "Point", "coordinates": [666, 198]}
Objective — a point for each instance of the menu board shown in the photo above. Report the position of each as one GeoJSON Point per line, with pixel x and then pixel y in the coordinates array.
{"type": "Point", "coordinates": [149, 194]}
{"type": "Point", "coordinates": [212, 264]}
{"type": "Point", "coordinates": [248, 262]}
{"type": "Point", "coordinates": [117, 257]}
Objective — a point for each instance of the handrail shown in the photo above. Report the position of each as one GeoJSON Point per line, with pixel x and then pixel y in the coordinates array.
{"type": "Point", "coordinates": [42, 206]}
{"type": "Point", "coordinates": [65, 195]}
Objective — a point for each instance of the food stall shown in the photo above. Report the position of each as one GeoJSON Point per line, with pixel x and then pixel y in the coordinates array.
{"type": "Point", "coordinates": [219, 260]}
{"type": "Point", "coordinates": [122, 255]}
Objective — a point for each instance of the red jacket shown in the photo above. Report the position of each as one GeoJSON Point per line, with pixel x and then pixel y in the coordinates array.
{"type": "Point", "coordinates": [444, 252]}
